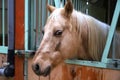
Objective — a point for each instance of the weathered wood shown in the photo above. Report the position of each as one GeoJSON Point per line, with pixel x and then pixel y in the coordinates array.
{"type": "Point", "coordinates": [91, 73]}
{"type": "Point", "coordinates": [62, 72]}
{"type": "Point", "coordinates": [75, 72]}
{"type": "Point", "coordinates": [19, 38]}
{"type": "Point", "coordinates": [31, 74]}
{"type": "Point", "coordinates": [19, 67]}
{"type": "Point", "coordinates": [111, 74]}
{"type": "Point", "coordinates": [19, 24]}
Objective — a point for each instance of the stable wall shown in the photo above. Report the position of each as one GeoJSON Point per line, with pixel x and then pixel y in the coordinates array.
{"type": "Point", "coordinates": [63, 72]}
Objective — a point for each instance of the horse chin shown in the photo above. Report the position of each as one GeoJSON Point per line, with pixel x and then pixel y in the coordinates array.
{"type": "Point", "coordinates": [47, 71]}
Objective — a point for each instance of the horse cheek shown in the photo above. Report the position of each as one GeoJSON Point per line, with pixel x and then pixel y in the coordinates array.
{"type": "Point", "coordinates": [56, 58]}
{"type": "Point", "coordinates": [68, 47]}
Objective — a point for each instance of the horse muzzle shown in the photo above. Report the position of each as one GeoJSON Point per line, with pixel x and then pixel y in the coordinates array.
{"type": "Point", "coordinates": [36, 68]}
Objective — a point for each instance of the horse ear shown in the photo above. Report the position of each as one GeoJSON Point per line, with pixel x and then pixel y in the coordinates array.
{"type": "Point", "coordinates": [68, 8]}
{"type": "Point", "coordinates": [51, 8]}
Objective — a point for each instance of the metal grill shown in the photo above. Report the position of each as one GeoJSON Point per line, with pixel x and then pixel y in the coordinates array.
{"type": "Point", "coordinates": [3, 27]}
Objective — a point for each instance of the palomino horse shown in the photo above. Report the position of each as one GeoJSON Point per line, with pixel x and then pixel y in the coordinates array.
{"type": "Point", "coordinates": [70, 34]}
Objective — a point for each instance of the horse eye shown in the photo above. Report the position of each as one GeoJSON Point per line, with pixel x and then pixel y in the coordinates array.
{"type": "Point", "coordinates": [58, 33]}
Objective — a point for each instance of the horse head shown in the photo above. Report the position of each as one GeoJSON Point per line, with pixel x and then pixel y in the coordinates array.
{"type": "Point", "coordinates": [59, 41]}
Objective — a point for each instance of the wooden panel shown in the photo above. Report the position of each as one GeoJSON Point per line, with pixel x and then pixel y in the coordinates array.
{"type": "Point", "coordinates": [19, 24]}
{"type": "Point", "coordinates": [90, 73]}
{"type": "Point", "coordinates": [19, 38]}
{"type": "Point", "coordinates": [62, 72]}
{"type": "Point", "coordinates": [72, 72]}
{"type": "Point", "coordinates": [111, 74]}
{"type": "Point", "coordinates": [19, 68]}
{"type": "Point", "coordinates": [31, 74]}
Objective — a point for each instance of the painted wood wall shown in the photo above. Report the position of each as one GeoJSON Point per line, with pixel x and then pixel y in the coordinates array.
{"type": "Point", "coordinates": [63, 72]}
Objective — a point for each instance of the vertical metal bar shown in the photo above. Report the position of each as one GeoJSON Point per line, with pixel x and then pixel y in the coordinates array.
{"type": "Point", "coordinates": [34, 46]}
{"type": "Point", "coordinates": [39, 23]}
{"type": "Point", "coordinates": [57, 3]}
{"type": "Point", "coordinates": [26, 24]}
{"type": "Point", "coordinates": [62, 3]}
{"type": "Point", "coordinates": [26, 39]}
{"type": "Point", "coordinates": [111, 32]}
{"type": "Point", "coordinates": [108, 12]}
{"type": "Point", "coordinates": [11, 22]}
{"type": "Point", "coordinates": [87, 3]}
{"type": "Point", "coordinates": [3, 22]}
{"type": "Point", "coordinates": [49, 3]}
{"type": "Point", "coordinates": [43, 12]}
{"type": "Point", "coordinates": [76, 4]}
{"type": "Point", "coordinates": [31, 23]}
{"type": "Point", "coordinates": [26, 67]}
{"type": "Point", "coordinates": [32, 27]}
{"type": "Point", "coordinates": [113, 48]}
{"type": "Point", "coordinates": [11, 37]}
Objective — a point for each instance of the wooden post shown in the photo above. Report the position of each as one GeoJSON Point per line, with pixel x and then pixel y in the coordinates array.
{"type": "Point", "coordinates": [19, 39]}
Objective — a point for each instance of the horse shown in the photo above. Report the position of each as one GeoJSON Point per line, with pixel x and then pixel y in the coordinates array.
{"type": "Point", "coordinates": [70, 34]}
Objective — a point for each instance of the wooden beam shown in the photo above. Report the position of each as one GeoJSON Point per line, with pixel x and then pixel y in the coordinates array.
{"type": "Point", "coordinates": [19, 24]}
{"type": "Point", "coordinates": [19, 39]}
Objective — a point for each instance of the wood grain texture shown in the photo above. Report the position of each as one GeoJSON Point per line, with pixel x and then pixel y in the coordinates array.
{"type": "Point", "coordinates": [61, 72]}
{"type": "Point", "coordinates": [31, 74]}
{"type": "Point", "coordinates": [111, 74]}
{"type": "Point", "coordinates": [19, 67]}
{"type": "Point", "coordinates": [19, 24]}
{"type": "Point", "coordinates": [19, 38]}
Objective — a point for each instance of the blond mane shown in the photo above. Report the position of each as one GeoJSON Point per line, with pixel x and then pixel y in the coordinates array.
{"type": "Point", "coordinates": [96, 34]}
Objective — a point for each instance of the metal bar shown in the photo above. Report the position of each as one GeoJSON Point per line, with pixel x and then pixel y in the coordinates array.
{"type": "Point", "coordinates": [26, 24]}
{"type": "Point", "coordinates": [3, 22]}
{"type": "Point", "coordinates": [62, 3]}
{"type": "Point", "coordinates": [113, 48]}
{"type": "Point", "coordinates": [31, 22]}
{"type": "Point", "coordinates": [3, 49]}
{"type": "Point", "coordinates": [26, 68]}
{"type": "Point", "coordinates": [39, 24]}
{"type": "Point", "coordinates": [87, 63]}
{"type": "Point", "coordinates": [111, 32]}
{"type": "Point", "coordinates": [11, 35]}
{"type": "Point", "coordinates": [34, 27]}
{"type": "Point", "coordinates": [109, 65]}
{"type": "Point", "coordinates": [57, 3]}
{"type": "Point", "coordinates": [43, 12]}
{"type": "Point", "coordinates": [26, 39]}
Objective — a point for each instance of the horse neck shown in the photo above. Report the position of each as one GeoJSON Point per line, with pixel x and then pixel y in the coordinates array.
{"type": "Point", "coordinates": [92, 34]}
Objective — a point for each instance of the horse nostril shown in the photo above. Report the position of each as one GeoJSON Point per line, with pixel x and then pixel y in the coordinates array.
{"type": "Point", "coordinates": [37, 67]}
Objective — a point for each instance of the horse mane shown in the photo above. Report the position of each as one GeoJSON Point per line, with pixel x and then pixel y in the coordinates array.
{"type": "Point", "coordinates": [95, 34]}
